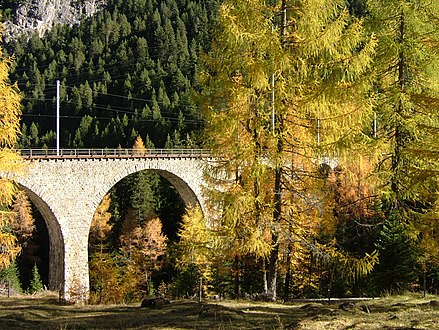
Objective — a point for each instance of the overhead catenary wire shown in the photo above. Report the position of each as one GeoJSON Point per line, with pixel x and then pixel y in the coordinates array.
{"type": "Point", "coordinates": [109, 118]}
{"type": "Point", "coordinates": [113, 108]}
{"type": "Point", "coordinates": [71, 86]}
{"type": "Point", "coordinates": [175, 119]}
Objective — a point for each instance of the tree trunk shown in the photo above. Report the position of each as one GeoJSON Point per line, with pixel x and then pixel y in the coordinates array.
{"type": "Point", "coordinates": [148, 291]}
{"type": "Point", "coordinates": [236, 276]}
{"type": "Point", "coordinates": [287, 276]}
{"type": "Point", "coordinates": [200, 290]}
{"type": "Point", "coordinates": [272, 270]}
{"type": "Point", "coordinates": [277, 198]}
{"type": "Point", "coordinates": [264, 274]}
{"type": "Point", "coordinates": [424, 284]}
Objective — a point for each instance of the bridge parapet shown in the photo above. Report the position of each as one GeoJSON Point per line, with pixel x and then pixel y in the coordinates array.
{"type": "Point", "coordinates": [113, 153]}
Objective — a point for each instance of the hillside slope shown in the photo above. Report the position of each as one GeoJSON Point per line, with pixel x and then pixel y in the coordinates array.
{"type": "Point", "coordinates": [128, 70]}
{"type": "Point", "coordinates": [41, 15]}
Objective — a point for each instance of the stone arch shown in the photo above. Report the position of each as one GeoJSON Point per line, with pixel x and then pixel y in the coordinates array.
{"type": "Point", "coordinates": [56, 240]}
{"type": "Point", "coordinates": [186, 193]}
{"type": "Point", "coordinates": [187, 180]}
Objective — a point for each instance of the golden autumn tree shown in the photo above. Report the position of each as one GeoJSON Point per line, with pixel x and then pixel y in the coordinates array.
{"type": "Point", "coordinates": [23, 223]}
{"type": "Point", "coordinates": [139, 147]}
{"type": "Point", "coordinates": [104, 272]}
{"type": "Point", "coordinates": [283, 91]}
{"type": "Point", "coordinates": [143, 244]}
{"type": "Point", "coordinates": [100, 226]}
{"type": "Point", "coordinates": [9, 160]}
{"type": "Point", "coordinates": [149, 245]}
{"type": "Point", "coordinates": [197, 245]}
{"type": "Point", "coordinates": [407, 109]}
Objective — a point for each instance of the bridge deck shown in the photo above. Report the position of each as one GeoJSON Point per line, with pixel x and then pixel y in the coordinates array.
{"type": "Point", "coordinates": [112, 153]}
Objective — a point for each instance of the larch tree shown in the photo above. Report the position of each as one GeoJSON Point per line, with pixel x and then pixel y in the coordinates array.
{"type": "Point", "coordinates": [406, 69]}
{"type": "Point", "coordinates": [196, 245]}
{"type": "Point", "coordinates": [139, 146]}
{"type": "Point", "coordinates": [130, 223]}
{"type": "Point", "coordinates": [149, 246]}
{"type": "Point", "coordinates": [23, 223]}
{"type": "Point", "coordinates": [9, 160]}
{"type": "Point", "coordinates": [100, 225]}
{"type": "Point", "coordinates": [143, 243]}
{"type": "Point", "coordinates": [238, 114]}
{"type": "Point", "coordinates": [281, 93]}
{"type": "Point", "coordinates": [103, 267]}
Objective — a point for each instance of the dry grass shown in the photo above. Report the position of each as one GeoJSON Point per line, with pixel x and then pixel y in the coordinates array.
{"type": "Point", "coordinates": [409, 311]}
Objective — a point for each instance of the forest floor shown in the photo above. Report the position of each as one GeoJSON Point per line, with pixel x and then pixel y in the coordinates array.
{"type": "Point", "coordinates": [410, 311]}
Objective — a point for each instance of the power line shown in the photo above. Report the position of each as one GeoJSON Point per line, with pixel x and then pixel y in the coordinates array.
{"type": "Point", "coordinates": [184, 105]}
{"type": "Point", "coordinates": [113, 108]}
{"type": "Point", "coordinates": [117, 110]}
{"type": "Point", "coordinates": [111, 118]}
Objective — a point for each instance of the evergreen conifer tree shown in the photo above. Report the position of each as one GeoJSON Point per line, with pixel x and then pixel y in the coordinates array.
{"type": "Point", "coordinates": [11, 275]}
{"type": "Point", "coordinates": [396, 270]}
{"type": "Point", "coordinates": [36, 284]}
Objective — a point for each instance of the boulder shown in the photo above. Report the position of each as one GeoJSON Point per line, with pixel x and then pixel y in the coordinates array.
{"type": "Point", "coordinates": [154, 302]}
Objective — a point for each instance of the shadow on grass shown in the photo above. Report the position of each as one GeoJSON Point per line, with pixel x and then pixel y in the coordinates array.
{"type": "Point", "coordinates": [48, 313]}
{"type": "Point", "coordinates": [21, 313]}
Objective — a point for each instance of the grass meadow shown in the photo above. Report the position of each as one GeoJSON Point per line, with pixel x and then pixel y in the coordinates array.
{"type": "Point", "coordinates": [44, 311]}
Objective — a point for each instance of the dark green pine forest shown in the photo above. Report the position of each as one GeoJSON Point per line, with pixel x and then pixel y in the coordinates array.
{"type": "Point", "coordinates": [125, 72]}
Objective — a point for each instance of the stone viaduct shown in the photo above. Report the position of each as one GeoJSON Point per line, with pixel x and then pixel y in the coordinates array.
{"type": "Point", "coordinates": [68, 185]}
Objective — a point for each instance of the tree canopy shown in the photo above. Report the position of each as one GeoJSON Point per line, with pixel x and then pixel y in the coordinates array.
{"type": "Point", "coordinates": [9, 129]}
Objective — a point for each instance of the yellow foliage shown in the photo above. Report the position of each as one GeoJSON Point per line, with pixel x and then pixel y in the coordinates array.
{"type": "Point", "coordinates": [142, 245]}
{"type": "Point", "coordinates": [9, 160]}
{"type": "Point", "coordinates": [8, 249]}
{"type": "Point", "coordinates": [9, 106]}
{"type": "Point", "coordinates": [100, 226]}
{"type": "Point", "coordinates": [195, 239]}
{"type": "Point", "coordinates": [149, 243]}
{"type": "Point", "coordinates": [268, 188]}
{"type": "Point", "coordinates": [105, 280]}
{"type": "Point", "coordinates": [139, 147]}
{"type": "Point", "coordinates": [22, 221]}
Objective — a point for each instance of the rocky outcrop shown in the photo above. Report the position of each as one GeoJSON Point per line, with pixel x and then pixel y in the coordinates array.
{"type": "Point", "coordinates": [42, 15]}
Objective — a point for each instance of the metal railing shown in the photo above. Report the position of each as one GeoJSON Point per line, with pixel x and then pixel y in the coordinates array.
{"type": "Point", "coordinates": [113, 153]}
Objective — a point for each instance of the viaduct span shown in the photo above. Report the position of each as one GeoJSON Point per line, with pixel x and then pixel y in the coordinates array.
{"type": "Point", "coordinates": [67, 185]}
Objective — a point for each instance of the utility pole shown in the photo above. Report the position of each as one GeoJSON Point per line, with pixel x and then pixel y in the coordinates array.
{"type": "Point", "coordinates": [57, 117]}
